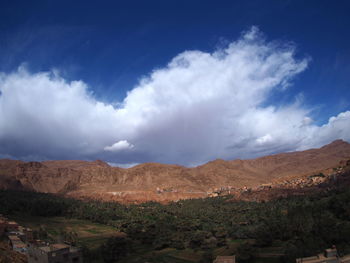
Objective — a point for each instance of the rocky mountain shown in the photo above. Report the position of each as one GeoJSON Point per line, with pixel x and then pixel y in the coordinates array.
{"type": "Point", "coordinates": [161, 182]}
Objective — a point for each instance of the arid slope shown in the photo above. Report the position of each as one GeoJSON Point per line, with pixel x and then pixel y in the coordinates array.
{"type": "Point", "coordinates": [160, 182]}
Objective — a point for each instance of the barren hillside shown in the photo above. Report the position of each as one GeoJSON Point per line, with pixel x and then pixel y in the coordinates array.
{"type": "Point", "coordinates": [161, 182]}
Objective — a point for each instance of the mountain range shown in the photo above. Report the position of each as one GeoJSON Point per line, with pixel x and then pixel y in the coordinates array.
{"type": "Point", "coordinates": [164, 182]}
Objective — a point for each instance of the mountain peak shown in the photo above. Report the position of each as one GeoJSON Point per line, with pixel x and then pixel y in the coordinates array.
{"type": "Point", "coordinates": [337, 143]}
{"type": "Point", "coordinates": [101, 163]}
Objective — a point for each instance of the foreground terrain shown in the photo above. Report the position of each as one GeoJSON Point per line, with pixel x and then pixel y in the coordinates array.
{"type": "Point", "coordinates": [277, 228]}
{"type": "Point", "coordinates": [189, 230]}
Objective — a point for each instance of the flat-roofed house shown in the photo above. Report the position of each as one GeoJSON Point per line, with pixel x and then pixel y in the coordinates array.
{"type": "Point", "coordinates": [17, 244]}
{"type": "Point", "coordinates": [20, 247]}
{"type": "Point", "coordinates": [12, 226]}
{"type": "Point", "coordinates": [13, 238]}
{"type": "Point", "coordinates": [54, 253]}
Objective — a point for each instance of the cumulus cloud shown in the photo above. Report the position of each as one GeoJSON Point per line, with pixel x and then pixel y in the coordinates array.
{"type": "Point", "coordinates": [123, 165]}
{"type": "Point", "coordinates": [264, 139]}
{"type": "Point", "coordinates": [199, 107]}
{"type": "Point", "coordinates": [119, 146]}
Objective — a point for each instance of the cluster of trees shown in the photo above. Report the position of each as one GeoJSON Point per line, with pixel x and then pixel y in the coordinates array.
{"type": "Point", "coordinates": [113, 250]}
{"type": "Point", "coordinates": [305, 225]}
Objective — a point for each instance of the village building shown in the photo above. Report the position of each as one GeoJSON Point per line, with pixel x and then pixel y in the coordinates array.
{"type": "Point", "coordinates": [28, 234]}
{"type": "Point", "coordinates": [12, 226]}
{"type": "Point", "coordinates": [21, 240]}
{"type": "Point", "coordinates": [13, 238]}
{"type": "Point", "coordinates": [225, 259]}
{"type": "Point", "coordinates": [54, 253]}
{"type": "Point", "coordinates": [17, 244]}
{"type": "Point", "coordinates": [20, 247]}
{"type": "Point", "coordinates": [25, 234]}
{"type": "Point", "coordinates": [329, 256]}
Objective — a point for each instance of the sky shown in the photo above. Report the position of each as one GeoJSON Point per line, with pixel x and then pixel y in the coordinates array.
{"type": "Point", "coordinates": [178, 82]}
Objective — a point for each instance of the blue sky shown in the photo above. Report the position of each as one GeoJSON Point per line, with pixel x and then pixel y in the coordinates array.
{"type": "Point", "coordinates": [111, 46]}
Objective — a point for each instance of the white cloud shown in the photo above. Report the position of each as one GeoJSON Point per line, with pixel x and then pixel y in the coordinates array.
{"type": "Point", "coordinates": [307, 121]}
{"type": "Point", "coordinates": [337, 127]}
{"type": "Point", "coordinates": [123, 165]}
{"type": "Point", "coordinates": [201, 106]}
{"type": "Point", "coordinates": [119, 146]}
{"type": "Point", "coordinates": [264, 139]}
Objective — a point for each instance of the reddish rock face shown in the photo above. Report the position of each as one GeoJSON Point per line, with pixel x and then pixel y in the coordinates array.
{"type": "Point", "coordinates": [160, 182]}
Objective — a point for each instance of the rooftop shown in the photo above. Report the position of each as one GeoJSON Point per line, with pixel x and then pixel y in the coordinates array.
{"type": "Point", "coordinates": [46, 249]}
{"type": "Point", "coordinates": [14, 238]}
{"type": "Point", "coordinates": [56, 247]}
{"type": "Point", "coordinates": [59, 246]}
{"type": "Point", "coordinates": [20, 245]}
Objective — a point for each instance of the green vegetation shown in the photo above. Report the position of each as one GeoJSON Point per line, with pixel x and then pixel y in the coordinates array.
{"type": "Point", "coordinates": [189, 230]}
{"type": "Point", "coordinates": [81, 232]}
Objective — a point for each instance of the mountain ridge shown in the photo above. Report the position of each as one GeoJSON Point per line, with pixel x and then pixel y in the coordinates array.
{"type": "Point", "coordinates": [164, 182]}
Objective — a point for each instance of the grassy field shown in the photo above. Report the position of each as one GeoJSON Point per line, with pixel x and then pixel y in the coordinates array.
{"type": "Point", "coordinates": [89, 234]}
